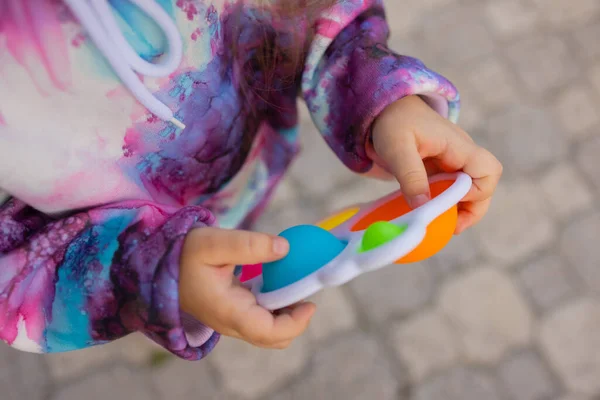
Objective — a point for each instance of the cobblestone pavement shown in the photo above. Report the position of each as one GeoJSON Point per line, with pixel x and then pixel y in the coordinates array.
{"type": "Point", "coordinates": [509, 311]}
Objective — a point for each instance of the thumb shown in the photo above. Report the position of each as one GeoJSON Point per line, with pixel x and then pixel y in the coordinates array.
{"type": "Point", "coordinates": [215, 246]}
{"type": "Point", "coordinates": [405, 163]}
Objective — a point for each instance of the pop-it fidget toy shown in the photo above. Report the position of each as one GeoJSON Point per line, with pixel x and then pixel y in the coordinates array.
{"type": "Point", "coordinates": [361, 238]}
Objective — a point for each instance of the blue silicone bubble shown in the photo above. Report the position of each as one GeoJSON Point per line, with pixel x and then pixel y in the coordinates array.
{"type": "Point", "coordinates": [311, 248]}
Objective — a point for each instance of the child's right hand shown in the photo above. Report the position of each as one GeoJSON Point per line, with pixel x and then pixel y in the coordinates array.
{"type": "Point", "coordinates": [210, 292]}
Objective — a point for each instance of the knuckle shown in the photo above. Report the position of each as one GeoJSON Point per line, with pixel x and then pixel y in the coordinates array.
{"type": "Point", "coordinates": [496, 166]}
{"type": "Point", "coordinates": [226, 315]}
{"type": "Point", "coordinates": [255, 244]}
{"type": "Point", "coordinates": [499, 167]}
{"type": "Point", "coordinates": [242, 328]}
{"type": "Point", "coordinates": [262, 339]}
{"type": "Point", "coordinates": [413, 177]}
{"type": "Point", "coordinates": [209, 243]}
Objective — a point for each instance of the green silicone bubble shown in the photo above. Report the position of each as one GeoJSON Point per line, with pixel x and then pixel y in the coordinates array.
{"type": "Point", "coordinates": [380, 233]}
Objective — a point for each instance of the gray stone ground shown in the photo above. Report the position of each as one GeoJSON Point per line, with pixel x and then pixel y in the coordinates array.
{"type": "Point", "coordinates": [509, 311]}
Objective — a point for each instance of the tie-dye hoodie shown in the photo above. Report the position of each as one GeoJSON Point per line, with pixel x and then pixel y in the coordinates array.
{"type": "Point", "coordinates": [97, 194]}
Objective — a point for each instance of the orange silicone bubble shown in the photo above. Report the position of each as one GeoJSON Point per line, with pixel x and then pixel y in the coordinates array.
{"type": "Point", "coordinates": [337, 219]}
{"type": "Point", "coordinates": [439, 231]}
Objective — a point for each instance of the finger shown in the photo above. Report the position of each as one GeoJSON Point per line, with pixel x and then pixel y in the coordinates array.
{"type": "Point", "coordinates": [265, 329]}
{"type": "Point", "coordinates": [470, 213]}
{"type": "Point", "coordinates": [405, 162]}
{"type": "Point", "coordinates": [451, 151]}
{"type": "Point", "coordinates": [282, 345]}
{"type": "Point", "coordinates": [286, 343]}
{"type": "Point", "coordinates": [225, 247]}
{"type": "Point", "coordinates": [288, 309]}
{"type": "Point", "coordinates": [464, 155]}
{"type": "Point", "coordinates": [432, 166]}
{"type": "Point", "coordinates": [379, 170]}
{"type": "Point", "coordinates": [463, 134]}
{"type": "Point", "coordinates": [486, 170]}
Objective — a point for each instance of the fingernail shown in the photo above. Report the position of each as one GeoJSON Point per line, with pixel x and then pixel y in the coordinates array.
{"type": "Point", "coordinates": [418, 200]}
{"type": "Point", "coordinates": [280, 246]}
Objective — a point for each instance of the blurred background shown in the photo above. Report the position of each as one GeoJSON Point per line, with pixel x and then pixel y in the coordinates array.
{"type": "Point", "coordinates": [508, 311]}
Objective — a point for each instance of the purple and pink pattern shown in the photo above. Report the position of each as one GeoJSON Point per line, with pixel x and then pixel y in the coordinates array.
{"type": "Point", "coordinates": [103, 193]}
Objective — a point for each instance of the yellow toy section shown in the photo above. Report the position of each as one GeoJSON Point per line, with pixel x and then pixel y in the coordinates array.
{"type": "Point", "coordinates": [337, 219]}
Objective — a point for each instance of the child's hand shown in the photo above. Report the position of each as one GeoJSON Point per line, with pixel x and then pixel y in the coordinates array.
{"type": "Point", "coordinates": [209, 291]}
{"type": "Point", "coordinates": [411, 140]}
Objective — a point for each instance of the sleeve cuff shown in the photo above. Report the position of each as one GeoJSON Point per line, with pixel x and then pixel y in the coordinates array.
{"type": "Point", "coordinates": [166, 324]}
{"type": "Point", "coordinates": [355, 83]}
{"type": "Point", "coordinates": [410, 77]}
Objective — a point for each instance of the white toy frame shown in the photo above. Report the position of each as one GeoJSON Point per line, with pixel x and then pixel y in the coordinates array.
{"type": "Point", "coordinates": [351, 263]}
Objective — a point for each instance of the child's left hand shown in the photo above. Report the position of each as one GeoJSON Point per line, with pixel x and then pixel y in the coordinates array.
{"type": "Point", "coordinates": [412, 141]}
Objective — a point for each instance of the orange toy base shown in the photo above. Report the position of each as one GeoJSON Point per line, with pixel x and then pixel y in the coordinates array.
{"type": "Point", "coordinates": [439, 232]}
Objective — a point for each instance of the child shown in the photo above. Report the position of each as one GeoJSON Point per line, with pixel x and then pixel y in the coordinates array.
{"type": "Point", "coordinates": [122, 149]}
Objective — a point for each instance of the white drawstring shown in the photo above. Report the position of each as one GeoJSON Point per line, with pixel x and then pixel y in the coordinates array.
{"type": "Point", "coordinates": [97, 18]}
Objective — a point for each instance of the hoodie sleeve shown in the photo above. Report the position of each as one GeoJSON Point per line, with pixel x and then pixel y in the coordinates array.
{"type": "Point", "coordinates": [351, 76]}
{"type": "Point", "coordinates": [96, 276]}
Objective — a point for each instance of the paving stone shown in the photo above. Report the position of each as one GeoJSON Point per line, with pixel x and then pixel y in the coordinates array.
{"type": "Point", "coordinates": [410, 44]}
{"type": "Point", "coordinates": [578, 111]}
{"type": "Point", "coordinates": [351, 368]}
{"type": "Point", "coordinates": [334, 314]}
{"type": "Point", "coordinates": [184, 380]}
{"type": "Point", "coordinates": [426, 343]}
{"type": "Point", "coordinates": [488, 313]}
{"type": "Point", "coordinates": [316, 158]}
{"type": "Point", "coordinates": [565, 190]}
{"type": "Point", "coordinates": [526, 377]}
{"type": "Point", "coordinates": [517, 208]}
{"type": "Point", "coordinates": [525, 139]}
{"type": "Point", "coordinates": [561, 14]}
{"type": "Point", "coordinates": [510, 18]}
{"type": "Point", "coordinates": [571, 339]}
{"type": "Point", "coordinates": [406, 19]}
{"type": "Point", "coordinates": [459, 253]}
{"type": "Point", "coordinates": [117, 383]}
{"type": "Point", "coordinates": [77, 363]}
{"type": "Point", "coordinates": [543, 62]}
{"type": "Point", "coordinates": [460, 383]}
{"type": "Point", "coordinates": [23, 376]}
{"type": "Point", "coordinates": [585, 36]}
{"type": "Point", "coordinates": [361, 190]}
{"type": "Point", "coordinates": [285, 193]}
{"type": "Point", "coordinates": [274, 220]}
{"type": "Point", "coordinates": [493, 82]}
{"type": "Point", "coordinates": [595, 77]}
{"type": "Point", "coordinates": [588, 160]}
{"type": "Point", "coordinates": [394, 291]}
{"type": "Point", "coordinates": [579, 243]}
{"type": "Point", "coordinates": [548, 281]}
{"type": "Point", "coordinates": [250, 372]}
{"type": "Point", "coordinates": [135, 349]}
{"type": "Point", "coordinates": [458, 26]}
{"type": "Point", "coordinates": [295, 213]}
{"type": "Point", "coordinates": [406, 16]}
{"type": "Point", "coordinates": [574, 397]}
{"type": "Point", "coordinates": [472, 113]}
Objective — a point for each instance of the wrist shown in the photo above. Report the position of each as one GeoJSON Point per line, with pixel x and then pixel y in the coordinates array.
{"type": "Point", "coordinates": [401, 107]}
{"type": "Point", "coordinates": [186, 273]}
